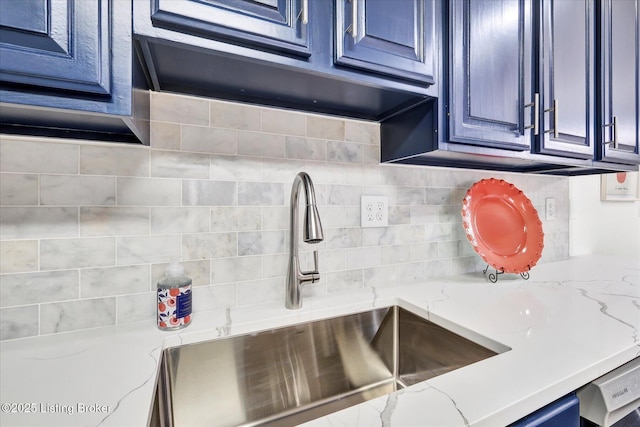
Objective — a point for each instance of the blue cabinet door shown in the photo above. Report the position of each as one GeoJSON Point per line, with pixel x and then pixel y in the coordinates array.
{"type": "Point", "coordinates": [394, 38]}
{"type": "Point", "coordinates": [278, 25]}
{"type": "Point", "coordinates": [619, 114]}
{"type": "Point", "coordinates": [61, 45]}
{"type": "Point", "coordinates": [564, 412]}
{"type": "Point", "coordinates": [490, 69]}
{"type": "Point", "coordinates": [69, 56]}
{"type": "Point", "coordinates": [566, 78]}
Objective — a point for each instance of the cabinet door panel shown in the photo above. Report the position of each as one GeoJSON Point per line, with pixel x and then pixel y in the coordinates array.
{"type": "Point", "coordinates": [270, 24]}
{"type": "Point", "coordinates": [567, 78]}
{"type": "Point", "coordinates": [491, 75]}
{"type": "Point", "coordinates": [621, 80]}
{"type": "Point", "coordinates": [392, 37]}
{"type": "Point", "coordinates": [58, 44]}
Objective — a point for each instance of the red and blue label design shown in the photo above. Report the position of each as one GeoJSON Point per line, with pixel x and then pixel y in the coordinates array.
{"type": "Point", "coordinates": [174, 307]}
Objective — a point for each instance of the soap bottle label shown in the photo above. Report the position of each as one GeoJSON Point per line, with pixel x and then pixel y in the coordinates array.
{"type": "Point", "coordinates": [174, 307]}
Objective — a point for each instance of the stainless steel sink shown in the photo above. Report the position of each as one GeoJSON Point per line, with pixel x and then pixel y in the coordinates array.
{"type": "Point", "coordinates": [293, 374]}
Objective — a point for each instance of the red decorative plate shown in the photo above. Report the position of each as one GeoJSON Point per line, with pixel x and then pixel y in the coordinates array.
{"type": "Point", "coordinates": [502, 225]}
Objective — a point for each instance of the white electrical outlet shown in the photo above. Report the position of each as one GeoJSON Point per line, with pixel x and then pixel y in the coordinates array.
{"type": "Point", "coordinates": [550, 208]}
{"type": "Point", "coordinates": [374, 211]}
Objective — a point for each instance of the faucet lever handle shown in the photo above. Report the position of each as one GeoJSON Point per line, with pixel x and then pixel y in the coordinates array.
{"type": "Point", "coordinates": [316, 268]}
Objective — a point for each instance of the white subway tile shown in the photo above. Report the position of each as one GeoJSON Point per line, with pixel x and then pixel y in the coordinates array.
{"type": "Point", "coordinates": [344, 152]}
{"type": "Point", "coordinates": [339, 238]}
{"type": "Point", "coordinates": [179, 109]}
{"type": "Point", "coordinates": [18, 189]}
{"type": "Point", "coordinates": [209, 140]}
{"type": "Point", "coordinates": [363, 257]}
{"type": "Point", "coordinates": [213, 297]}
{"type": "Point", "coordinates": [199, 272]}
{"type": "Point", "coordinates": [165, 136]}
{"type": "Point", "coordinates": [38, 222]}
{"type": "Point", "coordinates": [111, 281]}
{"type": "Point", "coordinates": [166, 220]}
{"type": "Point", "coordinates": [283, 122]}
{"type": "Point", "coordinates": [113, 221]}
{"type": "Point", "coordinates": [209, 245]}
{"type": "Point", "coordinates": [18, 256]}
{"type": "Point", "coordinates": [325, 128]}
{"type": "Point", "coordinates": [241, 218]}
{"type": "Point", "coordinates": [209, 193]}
{"type": "Point", "coordinates": [284, 171]}
{"type": "Point", "coordinates": [260, 291]}
{"type": "Point", "coordinates": [345, 280]}
{"type": "Point", "coordinates": [37, 157]}
{"type": "Point", "coordinates": [235, 116]}
{"type": "Point", "coordinates": [395, 254]}
{"type": "Point", "coordinates": [230, 168]}
{"type": "Point", "coordinates": [305, 148]}
{"type": "Point", "coordinates": [136, 308]}
{"type": "Point", "coordinates": [77, 190]}
{"type": "Point", "coordinates": [260, 194]}
{"type": "Point", "coordinates": [18, 322]}
{"type": "Point", "coordinates": [424, 251]}
{"type": "Point", "coordinates": [148, 249]}
{"type": "Point", "coordinates": [174, 164]}
{"type": "Point", "coordinates": [121, 161]}
{"type": "Point", "coordinates": [260, 242]}
{"type": "Point", "coordinates": [238, 269]}
{"type": "Point", "coordinates": [149, 192]}
{"type": "Point", "coordinates": [75, 315]}
{"type": "Point", "coordinates": [31, 288]}
{"type": "Point", "coordinates": [275, 265]}
{"type": "Point", "coordinates": [58, 254]}
{"type": "Point", "coordinates": [276, 218]}
{"type": "Point", "coordinates": [260, 144]}
{"type": "Point", "coordinates": [363, 132]}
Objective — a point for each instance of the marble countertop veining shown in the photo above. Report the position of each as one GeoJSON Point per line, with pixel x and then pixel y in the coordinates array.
{"type": "Point", "coordinates": [570, 323]}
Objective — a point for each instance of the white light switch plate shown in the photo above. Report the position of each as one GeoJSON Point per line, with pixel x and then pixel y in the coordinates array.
{"type": "Point", "coordinates": [550, 208]}
{"type": "Point", "coordinates": [374, 211]}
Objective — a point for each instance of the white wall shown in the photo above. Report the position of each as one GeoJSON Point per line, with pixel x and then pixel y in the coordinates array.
{"type": "Point", "coordinates": [595, 226]}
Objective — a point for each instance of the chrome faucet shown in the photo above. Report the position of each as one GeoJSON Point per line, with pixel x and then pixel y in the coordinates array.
{"type": "Point", "coordinates": [312, 233]}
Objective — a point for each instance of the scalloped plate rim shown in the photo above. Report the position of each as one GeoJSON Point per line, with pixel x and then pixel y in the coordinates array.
{"type": "Point", "coordinates": [492, 259]}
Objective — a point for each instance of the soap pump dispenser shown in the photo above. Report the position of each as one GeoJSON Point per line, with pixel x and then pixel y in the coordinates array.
{"type": "Point", "coordinates": [174, 298]}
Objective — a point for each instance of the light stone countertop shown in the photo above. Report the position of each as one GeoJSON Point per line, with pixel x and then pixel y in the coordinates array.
{"type": "Point", "coordinates": [570, 323]}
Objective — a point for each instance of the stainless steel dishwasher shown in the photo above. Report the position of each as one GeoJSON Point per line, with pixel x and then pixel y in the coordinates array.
{"type": "Point", "coordinates": [613, 400]}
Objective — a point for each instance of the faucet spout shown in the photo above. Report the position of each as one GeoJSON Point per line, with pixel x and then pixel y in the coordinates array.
{"type": "Point", "coordinates": [312, 233]}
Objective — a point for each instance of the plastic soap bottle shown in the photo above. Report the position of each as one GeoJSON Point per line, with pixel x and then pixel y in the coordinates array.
{"type": "Point", "coordinates": [174, 298]}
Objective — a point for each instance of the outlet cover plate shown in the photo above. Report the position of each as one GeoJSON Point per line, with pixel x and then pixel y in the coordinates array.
{"type": "Point", "coordinates": [374, 211]}
{"type": "Point", "coordinates": [550, 208]}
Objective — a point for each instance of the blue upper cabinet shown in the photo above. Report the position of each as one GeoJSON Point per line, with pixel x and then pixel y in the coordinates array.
{"type": "Point", "coordinates": [280, 25]}
{"type": "Point", "coordinates": [62, 57]}
{"type": "Point", "coordinates": [389, 37]}
{"type": "Point", "coordinates": [566, 78]}
{"type": "Point", "coordinates": [286, 53]}
{"type": "Point", "coordinates": [490, 97]}
{"type": "Point", "coordinates": [60, 45]}
{"type": "Point", "coordinates": [619, 106]}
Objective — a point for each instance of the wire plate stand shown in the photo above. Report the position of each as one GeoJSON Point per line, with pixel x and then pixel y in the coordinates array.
{"type": "Point", "coordinates": [493, 277]}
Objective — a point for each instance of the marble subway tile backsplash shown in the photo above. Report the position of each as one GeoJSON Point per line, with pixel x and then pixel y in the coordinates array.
{"type": "Point", "coordinates": [87, 229]}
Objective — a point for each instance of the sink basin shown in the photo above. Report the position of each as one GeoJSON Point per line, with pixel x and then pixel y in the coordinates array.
{"type": "Point", "coordinates": [293, 374]}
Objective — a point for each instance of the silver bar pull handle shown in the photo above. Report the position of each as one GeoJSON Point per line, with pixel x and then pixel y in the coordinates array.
{"type": "Point", "coordinates": [305, 12]}
{"type": "Point", "coordinates": [555, 130]}
{"type": "Point", "coordinates": [303, 15]}
{"type": "Point", "coordinates": [614, 125]}
{"type": "Point", "coordinates": [354, 19]}
{"type": "Point", "coordinates": [536, 113]}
